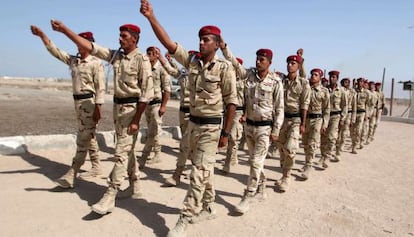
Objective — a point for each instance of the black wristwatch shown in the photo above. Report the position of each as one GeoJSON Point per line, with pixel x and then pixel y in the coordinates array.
{"type": "Point", "coordinates": [224, 133]}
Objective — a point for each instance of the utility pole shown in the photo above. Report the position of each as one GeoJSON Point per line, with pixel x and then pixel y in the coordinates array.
{"type": "Point", "coordinates": [392, 96]}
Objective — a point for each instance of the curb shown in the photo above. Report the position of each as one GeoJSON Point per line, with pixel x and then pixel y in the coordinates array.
{"type": "Point", "coordinates": [21, 144]}
{"type": "Point", "coordinates": [397, 119]}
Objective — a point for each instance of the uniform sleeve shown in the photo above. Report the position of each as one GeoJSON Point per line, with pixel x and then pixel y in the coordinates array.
{"type": "Point", "coordinates": [103, 53]}
{"type": "Point", "coordinates": [146, 82]}
{"type": "Point", "coordinates": [305, 96]}
{"type": "Point", "coordinates": [165, 81]}
{"type": "Point", "coordinates": [99, 82]}
{"type": "Point", "coordinates": [237, 66]}
{"type": "Point", "coordinates": [326, 109]}
{"type": "Point", "coordinates": [58, 53]}
{"type": "Point", "coordinates": [228, 87]}
{"type": "Point", "coordinates": [173, 71]}
{"type": "Point", "coordinates": [344, 105]}
{"type": "Point", "coordinates": [182, 56]}
{"type": "Point", "coordinates": [279, 107]}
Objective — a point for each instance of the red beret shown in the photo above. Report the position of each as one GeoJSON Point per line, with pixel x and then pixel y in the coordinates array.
{"type": "Point", "coordinates": [130, 28]}
{"type": "Point", "coordinates": [360, 79]}
{"type": "Point", "coordinates": [209, 30]}
{"type": "Point", "coordinates": [331, 73]}
{"type": "Point", "coordinates": [265, 53]}
{"type": "Point", "coordinates": [296, 58]}
{"type": "Point", "coordinates": [152, 48]}
{"type": "Point", "coordinates": [345, 79]}
{"type": "Point", "coordinates": [318, 70]}
{"type": "Point", "coordinates": [378, 83]}
{"type": "Point", "coordinates": [87, 35]}
{"type": "Point", "coordinates": [324, 79]}
{"type": "Point", "coordinates": [240, 60]}
{"type": "Point", "coordinates": [372, 82]}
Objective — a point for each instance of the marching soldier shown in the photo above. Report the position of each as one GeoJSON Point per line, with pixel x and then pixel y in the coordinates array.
{"type": "Point", "coordinates": [88, 94]}
{"type": "Point", "coordinates": [359, 115]}
{"type": "Point", "coordinates": [317, 119]}
{"type": "Point", "coordinates": [381, 104]}
{"type": "Point", "coordinates": [370, 107]}
{"type": "Point", "coordinates": [296, 103]}
{"type": "Point", "coordinates": [345, 129]}
{"type": "Point", "coordinates": [155, 108]}
{"type": "Point", "coordinates": [338, 113]}
{"type": "Point", "coordinates": [373, 113]}
{"type": "Point", "coordinates": [212, 86]}
{"type": "Point", "coordinates": [263, 101]}
{"type": "Point", "coordinates": [133, 89]}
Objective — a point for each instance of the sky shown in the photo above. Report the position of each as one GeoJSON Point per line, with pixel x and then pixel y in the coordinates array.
{"type": "Point", "coordinates": [357, 37]}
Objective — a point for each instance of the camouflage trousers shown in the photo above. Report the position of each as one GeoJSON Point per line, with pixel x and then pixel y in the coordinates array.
{"type": "Point", "coordinates": [372, 123]}
{"type": "Point", "coordinates": [203, 142]}
{"type": "Point", "coordinates": [258, 141]}
{"type": "Point", "coordinates": [365, 128]}
{"type": "Point", "coordinates": [328, 139]}
{"type": "Point", "coordinates": [124, 157]}
{"type": "Point", "coordinates": [311, 138]}
{"type": "Point", "coordinates": [288, 141]}
{"type": "Point", "coordinates": [344, 132]}
{"type": "Point", "coordinates": [236, 134]}
{"type": "Point", "coordinates": [154, 123]}
{"type": "Point", "coordinates": [357, 129]}
{"type": "Point", "coordinates": [184, 143]}
{"type": "Point", "coordinates": [86, 135]}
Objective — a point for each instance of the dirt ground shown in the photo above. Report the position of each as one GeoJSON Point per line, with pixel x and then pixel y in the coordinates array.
{"type": "Point", "coordinates": [368, 194]}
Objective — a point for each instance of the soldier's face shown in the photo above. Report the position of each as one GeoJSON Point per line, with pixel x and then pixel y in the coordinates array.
{"type": "Point", "coordinates": [292, 66]}
{"type": "Point", "coordinates": [333, 79]}
{"type": "Point", "coordinates": [346, 84]}
{"type": "Point", "coordinates": [208, 44]}
{"type": "Point", "coordinates": [152, 56]}
{"type": "Point", "coordinates": [127, 41]}
{"type": "Point", "coordinates": [315, 78]}
{"type": "Point", "coordinates": [262, 63]}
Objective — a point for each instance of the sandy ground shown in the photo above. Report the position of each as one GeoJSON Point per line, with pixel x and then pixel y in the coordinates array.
{"type": "Point", "coordinates": [369, 194]}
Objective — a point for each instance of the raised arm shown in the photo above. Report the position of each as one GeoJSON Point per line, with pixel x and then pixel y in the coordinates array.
{"type": "Point", "coordinates": [80, 41]}
{"type": "Point", "coordinates": [162, 35]}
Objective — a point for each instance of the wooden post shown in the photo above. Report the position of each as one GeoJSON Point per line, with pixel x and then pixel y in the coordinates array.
{"type": "Point", "coordinates": [392, 96]}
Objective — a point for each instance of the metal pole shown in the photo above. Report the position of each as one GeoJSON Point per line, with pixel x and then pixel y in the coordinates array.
{"type": "Point", "coordinates": [392, 96]}
{"type": "Point", "coordinates": [383, 80]}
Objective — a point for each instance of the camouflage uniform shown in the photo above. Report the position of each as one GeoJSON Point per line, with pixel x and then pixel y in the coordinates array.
{"type": "Point", "coordinates": [184, 116]}
{"type": "Point", "coordinates": [88, 89]}
{"type": "Point", "coordinates": [373, 117]}
{"type": "Point", "coordinates": [345, 129]}
{"type": "Point", "coordinates": [359, 116]}
{"type": "Point", "coordinates": [369, 112]}
{"type": "Point", "coordinates": [264, 113]}
{"type": "Point", "coordinates": [317, 119]}
{"type": "Point", "coordinates": [296, 98]}
{"type": "Point", "coordinates": [381, 104]}
{"type": "Point", "coordinates": [132, 83]}
{"type": "Point", "coordinates": [211, 87]}
{"type": "Point", "coordinates": [161, 83]}
{"type": "Point", "coordinates": [339, 110]}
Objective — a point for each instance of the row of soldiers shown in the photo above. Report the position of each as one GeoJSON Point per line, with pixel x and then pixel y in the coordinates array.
{"type": "Point", "coordinates": [267, 107]}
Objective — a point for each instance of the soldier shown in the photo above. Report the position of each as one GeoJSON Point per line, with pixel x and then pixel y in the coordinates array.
{"type": "Point", "coordinates": [344, 131]}
{"type": "Point", "coordinates": [133, 89]}
{"type": "Point", "coordinates": [236, 132]}
{"type": "Point", "coordinates": [184, 115]}
{"type": "Point", "coordinates": [381, 104]}
{"type": "Point", "coordinates": [88, 93]}
{"type": "Point", "coordinates": [370, 107]}
{"type": "Point", "coordinates": [155, 108]}
{"type": "Point", "coordinates": [325, 82]}
{"type": "Point", "coordinates": [337, 116]}
{"type": "Point", "coordinates": [296, 103]}
{"type": "Point", "coordinates": [317, 119]}
{"type": "Point", "coordinates": [359, 115]}
{"type": "Point", "coordinates": [212, 85]}
{"type": "Point", "coordinates": [373, 112]}
{"type": "Point", "coordinates": [263, 114]}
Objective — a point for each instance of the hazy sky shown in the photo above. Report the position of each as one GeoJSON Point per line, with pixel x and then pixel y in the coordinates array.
{"type": "Point", "coordinates": [358, 38]}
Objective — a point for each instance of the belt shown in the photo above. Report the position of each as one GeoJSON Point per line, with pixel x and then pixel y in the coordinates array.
{"type": "Point", "coordinates": [240, 108]}
{"type": "Point", "coordinates": [313, 116]}
{"type": "Point", "coordinates": [185, 109]}
{"type": "Point", "coordinates": [205, 120]}
{"type": "Point", "coordinates": [83, 96]}
{"type": "Point", "coordinates": [335, 112]}
{"type": "Point", "coordinates": [288, 115]}
{"type": "Point", "coordinates": [126, 100]}
{"type": "Point", "coordinates": [360, 111]}
{"type": "Point", "coordinates": [349, 111]}
{"type": "Point", "coordinates": [155, 101]}
{"type": "Point", "coordinates": [259, 123]}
